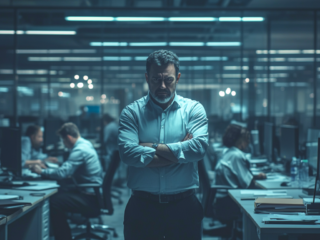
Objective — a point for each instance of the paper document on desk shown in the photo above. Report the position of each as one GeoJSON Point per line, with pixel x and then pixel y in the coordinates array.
{"type": "Point", "coordinates": [310, 200]}
{"type": "Point", "coordinates": [7, 203]}
{"type": "Point", "coordinates": [279, 205]}
{"type": "Point", "coordinates": [300, 218]}
{"type": "Point", "coordinates": [39, 187]}
{"type": "Point", "coordinates": [264, 192]}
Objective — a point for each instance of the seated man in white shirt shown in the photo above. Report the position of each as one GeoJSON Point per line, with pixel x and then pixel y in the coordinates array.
{"type": "Point", "coordinates": [31, 152]}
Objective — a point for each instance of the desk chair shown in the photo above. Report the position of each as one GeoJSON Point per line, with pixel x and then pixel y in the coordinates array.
{"type": "Point", "coordinates": [106, 206]}
{"type": "Point", "coordinates": [209, 192]}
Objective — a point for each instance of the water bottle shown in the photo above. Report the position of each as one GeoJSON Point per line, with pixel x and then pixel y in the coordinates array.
{"type": "Point", "coordinates": [294, 170]}
{"type": "Point", "coordinates": [304, 173]}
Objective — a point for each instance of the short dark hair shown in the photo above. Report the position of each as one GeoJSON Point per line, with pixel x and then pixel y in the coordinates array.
{"type": "Point", "coordinates": [107, 118]}
{"type": "Point", "coordinates": [32, 129]}
{"type": "Point", "coordinates": [163, 58]}
{"type": "Point", "coordinates": [233, 134]}
{"type": "Point", "coordinates": [69, 129]}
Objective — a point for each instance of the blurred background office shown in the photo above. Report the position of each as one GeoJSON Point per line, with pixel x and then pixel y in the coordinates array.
{"type": "Point", "coordinates": [250, 61]}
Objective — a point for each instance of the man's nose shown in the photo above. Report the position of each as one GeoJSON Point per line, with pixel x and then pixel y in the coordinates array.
{"type": "Point", "coordinates": [163, 85]}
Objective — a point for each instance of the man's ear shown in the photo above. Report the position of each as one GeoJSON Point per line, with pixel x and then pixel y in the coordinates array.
{"type": "Point", "coordinates": [69, 138]}
{"type": "Point", "coordinates": [178, 77]}
{"type": "Point", "coordinates": [146, 75]}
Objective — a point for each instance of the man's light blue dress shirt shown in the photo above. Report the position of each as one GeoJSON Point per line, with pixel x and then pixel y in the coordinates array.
{"type": "Point", "coordinates": [83, 165]}
{"type": "Point", "coordinates": [143, 121]}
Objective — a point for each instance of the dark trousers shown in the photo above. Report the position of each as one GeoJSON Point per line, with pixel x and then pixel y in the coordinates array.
{"type": "Point", "coordinates": [145, 219]}
{"type": "Point", "coordinates": [74, 202]}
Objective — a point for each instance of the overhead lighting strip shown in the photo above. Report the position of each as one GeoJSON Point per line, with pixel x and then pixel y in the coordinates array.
{"type": "Point", "coordinates": [161, 44]}
{"type": "Point", "coordinates": [162, 19]}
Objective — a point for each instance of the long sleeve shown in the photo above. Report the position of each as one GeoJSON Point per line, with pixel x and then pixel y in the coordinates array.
{"type": "Point", "coordinates": [68, 168]}
{"type": "Point", "coordinates": [38, 154]}
{"type": "Point", "coordinates": [193, 150]}
{"type": "Point", "coordinates": [25, 150]}
{"type": "Point", "coordinates": [131, 152]}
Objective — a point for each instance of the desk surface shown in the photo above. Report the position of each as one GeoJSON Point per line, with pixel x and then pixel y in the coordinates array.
{"type": "Point", "coordinates": [26, 198]}
{"type": "Point", "coordinates": [248, 208]}
{"type": "Point", "coordinates": [275, 183]}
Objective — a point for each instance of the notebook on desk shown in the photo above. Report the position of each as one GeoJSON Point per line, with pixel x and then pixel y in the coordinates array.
{"type": "Point", "coordinates": [279, 205]}
{"type": "Point", "coordinates": [38, 187]}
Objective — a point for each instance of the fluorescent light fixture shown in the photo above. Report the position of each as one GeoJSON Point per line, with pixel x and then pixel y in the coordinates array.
{"type": "Point", "coordinates": [191, 44]}
{"type": "Point", "coordinates": [4, 89]}
{"type": "Point", "coordinates": [140, 19]}
{"type": "Point", "coordinates": [111, 44]}
{"type": "Point", "coordinates": [229, 19]}
{"type": "Point", "coordinates": [44, 59]}
{"type": "Point", "coordinates": [222, 44]}
{"type": "Point", "coordinates": [192, 19]}
{"type": "Point", "coordinates": [51, 32]}
{"type": "Point", "coordinates": [214, 58]}
{"type": "Point", "coordinates": [288, 51]}
{"type": "Point", "coordinates": [188, 58]}
{"type": "Point", "coordinates": [82, 59]}
{"type": "Point", "coordinates": [6, 71]}
{"type": "Point", "coordinates": [95, 19]}
{"type": "Point", "coordinates": [147, 44]}
{"type": "Point", "coordinates": [195, 68]}
{"type": "Point", "coordinates": [117, 58]}
{"type": "Point", "coordinates": [80, 85]}
{"type": "Point", "coordinates": [252, 19]}
{"type": "Point", "coordinates": [239, 19]}
{"type": "Point", "coordinates": [140, 58]}
{"type": "Point", "coordinates": [11, 32]}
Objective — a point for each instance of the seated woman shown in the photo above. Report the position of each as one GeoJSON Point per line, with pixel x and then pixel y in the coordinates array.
{"type": "Point", "coordinates": [233, 170]}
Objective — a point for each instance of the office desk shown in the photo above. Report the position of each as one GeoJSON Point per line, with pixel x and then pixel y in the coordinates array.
{"type": "Point", "coordinates": [254, 229]}
{"type": "Point", "coordinates": [276, 184]}
{"type": "Point", "coordinates": [29, 222]}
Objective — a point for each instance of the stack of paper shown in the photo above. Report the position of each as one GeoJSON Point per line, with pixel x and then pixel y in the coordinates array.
{"type": "Point", "coordinates": [279, 205]}
{"type": "Point", "coordinates": [291, 219]}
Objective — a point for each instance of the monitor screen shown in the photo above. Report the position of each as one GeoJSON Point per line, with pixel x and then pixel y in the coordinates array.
{"type": "Point", "coordinates": [268, 141]}
{"type": "Point", "coordinates": [312, 147]}
{"type": "Point", "coordinates": [51, 126]}
{"type": "Point", "coordinates": [10, 150]}
{"type": "Point", "coordinates": [255, 143]}
{"type": "Point", "coordinates": [289, 142]}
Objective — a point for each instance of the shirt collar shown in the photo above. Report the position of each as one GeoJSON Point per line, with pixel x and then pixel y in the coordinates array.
{"type": "Point", "coordinates": [175, 101]}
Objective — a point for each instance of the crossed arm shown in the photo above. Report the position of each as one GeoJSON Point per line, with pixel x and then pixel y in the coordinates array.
{"type": "Point", "coordinates": [163, 156]}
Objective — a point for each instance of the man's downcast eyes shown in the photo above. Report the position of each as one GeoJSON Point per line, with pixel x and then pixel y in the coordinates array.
{"type": "Point", "coordinates": [158, 80]}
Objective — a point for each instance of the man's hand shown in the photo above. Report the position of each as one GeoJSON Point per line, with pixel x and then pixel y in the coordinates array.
{"type": "Point", "coordinates": [52, 159]}
{"type": "Point", "coordinates": [30, 163]}
{"type": "Point", "coordinates": [36, 169]}
{"type": "Point", "coordinates": [187, 137]}
{"type": "Point", "coordinates": [261, 176]}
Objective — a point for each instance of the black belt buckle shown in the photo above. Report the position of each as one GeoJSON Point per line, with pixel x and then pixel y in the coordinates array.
{"type": "Point", "coordinates": [162, 201]}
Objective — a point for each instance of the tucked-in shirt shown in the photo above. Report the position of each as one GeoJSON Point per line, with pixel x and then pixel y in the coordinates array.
{"type": "Point", "coordinates": [30, 153]}
{"type": "Point", "coordinates": [83, 165]}
{"type": "Point", "coordinates": [145, 122]}
{"type": "Point", "coordinates": [110, 140]}
{"type": "Point", "coordinates": [233, 170]}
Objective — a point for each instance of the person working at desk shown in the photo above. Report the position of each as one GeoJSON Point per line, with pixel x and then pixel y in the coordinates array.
{"type": "Point", "coordinates": [83, 166]}
{"type": "Point", "coordinates": [31, 152]}
{"type": "Point", "coordinates": [162, 136]}
{"type": "Point", "coordinates": [233, 170]}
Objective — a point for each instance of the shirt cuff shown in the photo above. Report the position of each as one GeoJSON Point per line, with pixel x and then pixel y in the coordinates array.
{"type": "Point", "coordinates": [176, 149]}
{"type": "Point", "coordinates": [147, 156]}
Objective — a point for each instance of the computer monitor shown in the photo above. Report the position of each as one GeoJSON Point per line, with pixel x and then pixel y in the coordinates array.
{"type": "Point", "coordinates": [255, 143]}
{"type": "Point", "coordinates": [312, 147]}
{"type": "Point", "coordinates": [10, 149]}
{"type": "Point", "coordinates": [51, 126]}
{"type": "Point", "coordinates": [268, 141]}
{"type": "Point", "coordinates": [289, 142]}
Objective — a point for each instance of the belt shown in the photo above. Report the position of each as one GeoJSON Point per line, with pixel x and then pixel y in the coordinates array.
{"type": "Point", "coordinates": [163, 198]}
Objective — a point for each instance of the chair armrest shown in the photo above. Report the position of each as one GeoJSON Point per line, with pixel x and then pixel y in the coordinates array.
{"type": "Point", "coordinates": [213, 186]}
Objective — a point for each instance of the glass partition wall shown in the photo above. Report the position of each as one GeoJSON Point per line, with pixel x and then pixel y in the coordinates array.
{"type": "Point", "coordinates": [76, 64]}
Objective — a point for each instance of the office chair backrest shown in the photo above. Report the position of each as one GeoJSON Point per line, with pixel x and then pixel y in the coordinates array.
{"type": "Point", "coordinates": [107, 182]}
{"type": "Point", "coordinates": [208, 194]}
